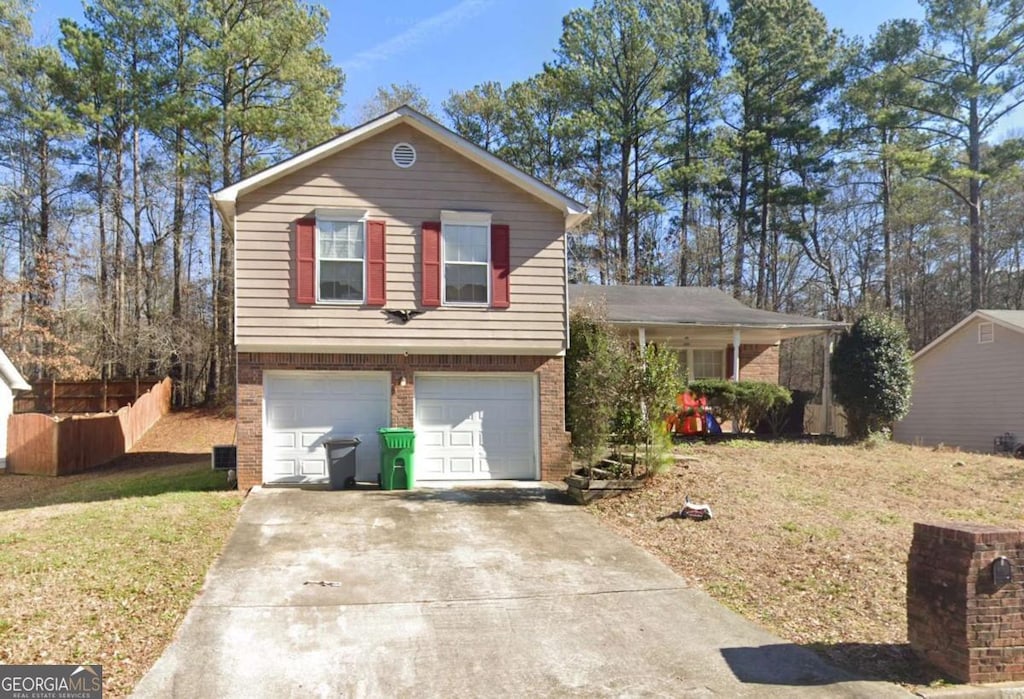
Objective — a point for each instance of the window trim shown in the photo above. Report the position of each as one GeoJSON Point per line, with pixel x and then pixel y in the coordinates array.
{"type": "Point", "coordinates": [339, 216]}
{"type": "Point", "coordinates": [466, 218]}
{"type": "Point", "coordinates": [991, 333]}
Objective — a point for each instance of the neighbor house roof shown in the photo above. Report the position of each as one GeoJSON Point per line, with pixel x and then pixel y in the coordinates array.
{"type": "Point", "coordinates": [11, 376]}
{"type": "Point", "coordinates": [575, 212]}
{"type": "Point", "coordinates": [685, 306]}
{"type": "Point", "coordinates": [1011, 320]}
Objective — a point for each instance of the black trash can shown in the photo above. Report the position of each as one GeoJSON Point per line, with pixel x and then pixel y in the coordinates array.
{"type": "Point", "coordinates": [341, 462]}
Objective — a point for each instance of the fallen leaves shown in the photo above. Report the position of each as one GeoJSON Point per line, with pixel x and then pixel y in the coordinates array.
{"type": "Point", "coordinates": [811, 540]}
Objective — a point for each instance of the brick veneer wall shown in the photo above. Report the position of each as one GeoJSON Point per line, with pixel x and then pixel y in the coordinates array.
{"type": "Point", "coordinates": [555, 451]}
{"type": "Point", "coordinates": [956, 617]}
{"type": "Point", "coordinates": [757, 363]}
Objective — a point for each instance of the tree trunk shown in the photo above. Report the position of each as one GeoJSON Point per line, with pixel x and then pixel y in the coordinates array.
{"type": "Point", "coordinates": [119, 255]}
{"type": "Point", "coordinates": [974, 206]}
{"type": "Point", "coordinates": [739, 258]}
{"type": "Point", "coordinates": [622, 197]}
{"type": "Point", "coordinates": [761, 296]}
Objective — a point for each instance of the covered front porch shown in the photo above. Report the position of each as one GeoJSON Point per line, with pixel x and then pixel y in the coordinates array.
{"type": "Point", "coordinates": [716, 336]}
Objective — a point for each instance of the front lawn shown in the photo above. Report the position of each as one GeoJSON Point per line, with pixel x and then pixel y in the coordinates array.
{"type": "Point", "coordinates": [101, 567]}
{"type": "Point", "coordinates": [811, 541]}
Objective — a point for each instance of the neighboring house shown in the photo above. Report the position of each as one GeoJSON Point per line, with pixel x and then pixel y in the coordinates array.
{"type": "Point", "coordinates": [969, 384]}
{"type": "Point", "coordinates": [716, 336]}
{"type": "Point", "coordinates": [11, 380]}
{"type": "Point", "coordinates": [400, 276]}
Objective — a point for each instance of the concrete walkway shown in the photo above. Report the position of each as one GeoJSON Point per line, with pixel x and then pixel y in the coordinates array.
{"type": "Point", "coordinates": [463, 592]}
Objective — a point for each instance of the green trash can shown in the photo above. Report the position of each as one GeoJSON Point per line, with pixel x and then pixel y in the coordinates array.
{"type": "Point", "coordinates": [396, 455]}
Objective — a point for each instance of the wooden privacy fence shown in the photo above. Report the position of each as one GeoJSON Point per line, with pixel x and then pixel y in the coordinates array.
{"type": "Point", "coordinates": [81, 396]}
{"type": "Point", "coordinates": [45, 446]}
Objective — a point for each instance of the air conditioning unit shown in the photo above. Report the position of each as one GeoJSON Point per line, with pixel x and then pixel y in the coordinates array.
{"type": "Point", "coordinates": [224, 457]}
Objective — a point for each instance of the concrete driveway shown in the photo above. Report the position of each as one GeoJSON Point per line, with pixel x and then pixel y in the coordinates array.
{"type": "Point", "coordinates": [462, 592]}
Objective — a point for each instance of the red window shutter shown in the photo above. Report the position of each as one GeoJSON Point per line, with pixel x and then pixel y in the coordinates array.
{"type": "Point", "coordinates": [729, 364]}
{"type": "Point", "coordinates": [305, 260]}
{"type": "Point", "coordinates": [376, 263]}
{"type": "Point", "coordinates": [431, 264]}
{"type": "Point", "coordinates": [500, 266]}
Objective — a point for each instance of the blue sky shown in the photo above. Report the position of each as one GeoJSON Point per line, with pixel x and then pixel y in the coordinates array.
{"type": "Point", "coordinates": [445, 45]}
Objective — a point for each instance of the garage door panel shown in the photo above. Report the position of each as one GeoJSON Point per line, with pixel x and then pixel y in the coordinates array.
{"type": "Point", "coordinates": [429, 438]}
{"type": "Point", "coordinates": [283, 415]}
{"type": "Point", "coordinates": [282, 467]}
{"type": "Point", "coordinates": [282, 440]}
{"type": "Point", "coordinates": [304, 410]}
{"type": "Point", "coordinates": [475, 426]}
{"type": "Point", "coordinates": [314, 467]}
{"type": "Point", "coordinates": [312, 439]}
{"type": "Point", "coordinates": [463, 465]}
{"type": "Point", "coordinates": [461, 438]}
{"type": "Point", "coordinates": [427, 466]}
{"type": "Point", "coordinates": [432, 413]}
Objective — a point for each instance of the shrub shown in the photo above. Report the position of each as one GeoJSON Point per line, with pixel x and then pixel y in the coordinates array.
{"type": "Point", "coordinates": [593, 370]}
{"type": "Point", "coordinates": [760, 400]}
{"type": "Point", "coordinates": [647, 393]}
{"type": "Point", "coordinates": [746, 403]}
{"type": "Point", "coordinates": [872, 374]}
{"type": "Point", "coordinates": [721, 396]}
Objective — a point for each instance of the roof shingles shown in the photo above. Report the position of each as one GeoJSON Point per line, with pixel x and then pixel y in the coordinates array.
{"type": "Point", "coordinates": [684, 305]}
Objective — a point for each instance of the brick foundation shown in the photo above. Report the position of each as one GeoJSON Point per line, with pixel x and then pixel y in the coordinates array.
{"type": "Point", "coordinates": [957, 618]}
{"type": "Point", "coordinates": [555, 450]}
{"type": "Point", "coordinates": [757, 363]}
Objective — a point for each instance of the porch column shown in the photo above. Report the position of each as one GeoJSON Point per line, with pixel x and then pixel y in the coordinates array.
{"type": "Point", "coordinates": [736, 339]}
{"type": "Point", "coordinates": [735, 354]}
{"type": "Point", "coordinates": [826, 386]}
{"type": "Point", "coordinates": [642, 337]}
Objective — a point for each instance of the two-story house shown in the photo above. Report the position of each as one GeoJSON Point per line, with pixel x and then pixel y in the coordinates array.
{"type": "Point", "coordinates": [398, 275]}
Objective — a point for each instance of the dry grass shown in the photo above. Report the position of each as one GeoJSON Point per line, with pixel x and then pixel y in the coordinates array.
{"type": "Point", "coordinates": [811, 541]}
{"type": "Point", "coordinates": [100, 567]}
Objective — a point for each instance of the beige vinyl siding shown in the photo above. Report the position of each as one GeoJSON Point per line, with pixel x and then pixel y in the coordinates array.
{"type": "Point", "coordinates": [363, 177]}
{"type": "Point", "coordinates": [966, 393]}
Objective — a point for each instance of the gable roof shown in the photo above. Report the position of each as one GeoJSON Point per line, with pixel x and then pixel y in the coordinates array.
{"type": "Point", "coordinates": [575, 212]}
{"type": "Point", "coordinates": [1011, 320]}
{"type": "Point", "coordinates": [687, 305]}
{"type": "Point", "coordinates": [10, 374]}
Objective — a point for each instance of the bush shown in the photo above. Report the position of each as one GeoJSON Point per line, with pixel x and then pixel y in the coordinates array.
{"type": "Point", "coordinates": [594, 367]}
{"type": "Point", "coordinates": [720, 394]}
{"type": "Point", "coordinates": [647, 393]}
{"type": "Point", "coordinates": [759, 400]}
{"type": "Point", "coordinates": [872, 374]}
{"type": "Point", "coordinates": [746, 403]}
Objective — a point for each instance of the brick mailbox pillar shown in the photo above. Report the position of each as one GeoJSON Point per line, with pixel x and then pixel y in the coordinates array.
{"type": "Point", "coordinates": [961, 617]}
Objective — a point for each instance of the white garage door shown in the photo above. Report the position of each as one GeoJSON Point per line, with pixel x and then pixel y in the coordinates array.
{"type": "Point", "coordinates": [304, 409]}
{"type": "Point", "coordinates": [475, 427]}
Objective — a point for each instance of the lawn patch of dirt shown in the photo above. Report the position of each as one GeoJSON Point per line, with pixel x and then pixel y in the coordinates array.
{"type": "Point", "coordinates": [100, 567]}
{"type": "Point", "coordinates": [811, 540]}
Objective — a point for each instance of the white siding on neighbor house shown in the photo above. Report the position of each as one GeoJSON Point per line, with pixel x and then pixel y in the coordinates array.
{"type": "Point", "coordinates": [966, 392]}
{"type": "Point", "coordinates": [6, 410]}
{"type": "Point", "coordinates": [363, 177]}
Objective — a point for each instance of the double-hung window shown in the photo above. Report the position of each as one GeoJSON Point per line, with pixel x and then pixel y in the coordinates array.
{"type": "Point", "coordinates": [341, 257]}
{"type": "Point", "coordinates": [702, 363]}
{"type": "Point", "coordinates": [466, 257]}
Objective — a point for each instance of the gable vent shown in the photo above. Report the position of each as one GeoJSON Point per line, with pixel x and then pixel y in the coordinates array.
{"type": "Point", "coordinates": [403, 155]}
{"type": "Point", "coordinates": [986, 333]}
